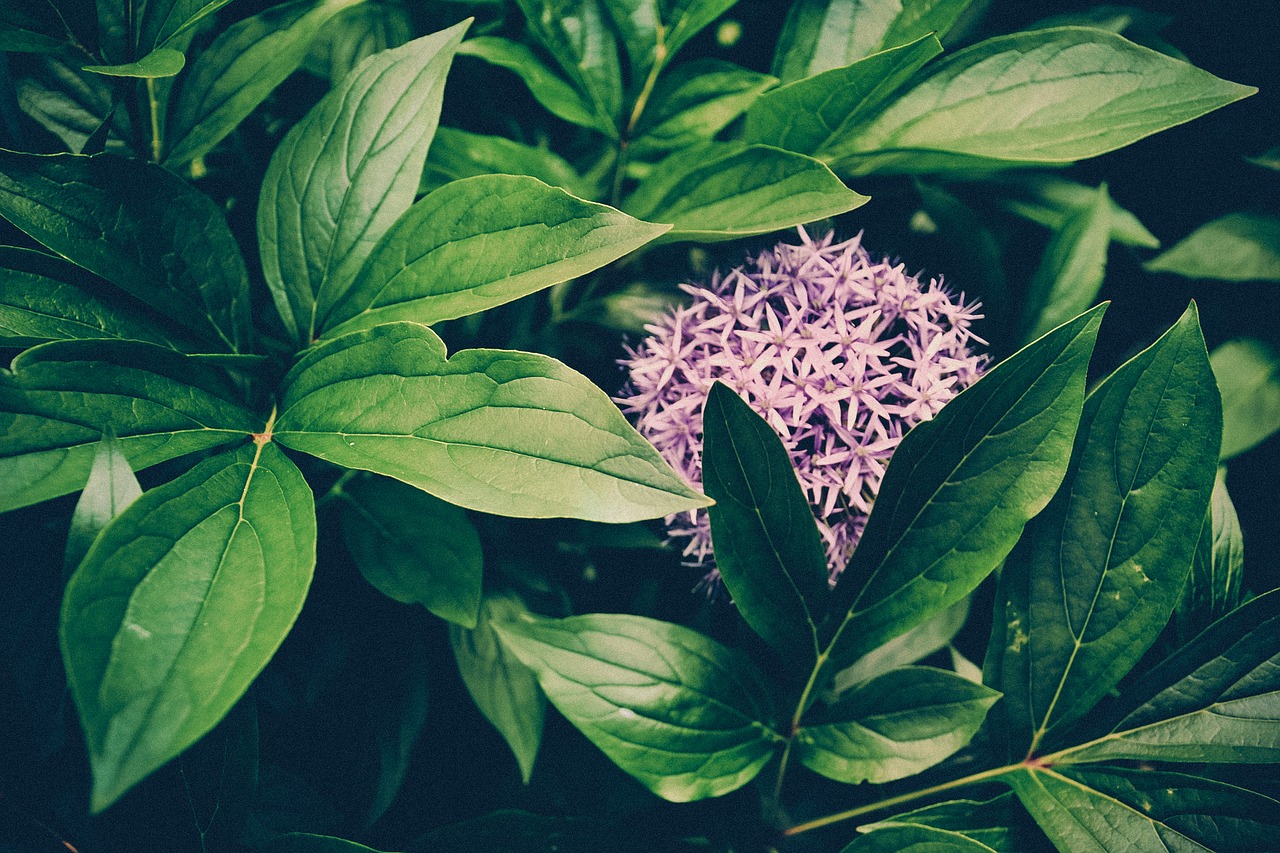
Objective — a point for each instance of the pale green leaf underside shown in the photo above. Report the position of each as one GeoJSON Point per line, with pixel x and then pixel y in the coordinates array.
{"type": "Point", "coordinates": [109, 491]}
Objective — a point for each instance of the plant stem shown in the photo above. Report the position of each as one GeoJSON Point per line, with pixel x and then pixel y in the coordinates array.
{"type": "Point", "coordinates": [642, 101]}
{"type": "Point", "coordinates": [336, 491]}
{"type": "Point", "coordinates": [155, 119]}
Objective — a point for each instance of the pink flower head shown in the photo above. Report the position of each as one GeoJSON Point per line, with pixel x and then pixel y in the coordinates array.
{"type": "Point", "coordinates": [841, 354]}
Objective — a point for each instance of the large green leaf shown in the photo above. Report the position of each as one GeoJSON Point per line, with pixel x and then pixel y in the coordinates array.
{"type": "Point", "coordinates": [1248, 376]}
{"type": "Point", "coordinates": [959, 490]}
{"type": "Point", "coordinates": [505, 690]}
{"type": "Point", "coordinates": [1103, 810]}
{"type": "Point", "coordinates": [767, 545]}
{"type": "Point", "coordinates": [492, 430]}
{"type": "Point", "coordinates": [480, 242]}
{"type": "Point", "coordinates": [1237, 247]}
{"type": "Point", "coordinates": [915, 839]}
{"type": "Point", "coordinates": [722, 191]}
{"type": "Point", "coordinates": [180, 603]}
{"type": "Point", "coordinates": [413, 547]}
{"type": "Point", "coordinates": [893, 726]}
{"type": "Point", "coordinates": [1047, 96]}
{"type": "Point", "coordinates": [1098, 573]}
{"type": "Point", "coordinates": [579, 38]}
{"type": "Point", "coordinates": [683, 714]}
{"type": "Point", "coordinates": [162, 241]}
{"type": "Point", "coordinates": [161, 62]}
{"type": "Point", "coordinates": [235, 74]}
{"type": "Point", "coordinates": [810, 114]}
{"type": "Point", "coordinates": [457, 154]}
{"type": "Point", "coordinates": [61, 397]}
{"type": "Point", "coordinates": [1216, 699]}
{"type": "Point", "coordinates": [345, 173]}
{"type": "Point", "coordinates": [693, 103]}
{"type": "Point", "coordinates": [108, 492]}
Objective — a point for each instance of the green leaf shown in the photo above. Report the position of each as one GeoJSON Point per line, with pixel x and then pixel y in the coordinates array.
{"type": "Point", "coordinates": [549, 88]}
{"type": "Point", "coordinates": [1236, 247]}
{"type": "Point", "coordinates": [1107, 809]}
{"type": "Point", "coordinates": [579, 38]}
{"type": "Point", "coordinates": [492, 430]}
{"type": "Point", "coordinates": [820, 35]}
{"type": "Point", "coordinates": [1098, 573]}
{"type": "Point", "coordinates": [722, 191]}
{"type": "Point", "coordinates": [162, 21]}
{"type": "Point", "coordinates": [481, 242]}
{"type": "Point", "coordinates": [767, 545]}
{"type": "Point", "coordinates": [998, 823]}
{"type": "Point", "coordinates": [893, 726]}
{"type": "Point", "coordinates": [813, 113]}
{"type": "Point", "coordinates": [354, 35]}
{"type": "Point", "coordinates": [245, 63]}
{"type": "Point", "coordinates": [1050, 200]}
{"type": "Point", "coordinates": [305, 842]}
{"type": "Point", "coordinates": [505, 690]}
{"type": "Point", "coordinates": [345, 173]}
{"type": "Point", "coordinates": [1214, 586]}
{"type": "Point", "coordinates": [905, 649]}
{"type": "Point", "coordinates": [1047, 96]}
{"type": "Point", "coordinates": [1269, 159]}
{"type": "Point", "coordinates": [111, 488]}
{"type": "Point", "coordinates": [1217, 699]}
{"type": "Point", "coordinates": [686, 716]}
{"type": "Point", "coordinates": [163, 241]}
{"type": "Point", "coordinates": [959, 490]}
{"type": "Point", "coordinates": [1248, 376]}
{"type": "Point", "coordinates": [695, 102]}
{"type": "Point", "coordinates": [161, 62]}
{"type": "Point", "coordinates": [915, 839]}
{"type": "Point", "coordinates": [19, 34]}
{"type": "Point", "coordinates": [457, 154]}
{"type": "Point", "coordinates": [179, 604]}
{"type": "Point", "coordinates": [1071, 270]}
{"type": "Point", "coordinates": [71, 104]}
{"type": "Point", "coordinates": [61, 397]}
{"type": "Point", "coordinates": [414, 548]}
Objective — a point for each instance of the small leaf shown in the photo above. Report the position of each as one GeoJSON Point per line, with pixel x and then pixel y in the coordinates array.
{"type": "Point", "coordinates": [686, 716]}
{"type": "Point", "coordinates": [345, 173]}
{"type": "Point", "coordinates": [959, 490]}
{"type": "Point", "coordinates": [230, 78]}
{"type": "Point", "coordinates": [161, 62]}
{"type": "Point", "coordinates": [904, 649]}
{"type": "Point", "coordinates": [915, 839]}
{"type": "Point", "coordinates": [163, 241]}
{"type": "Point", "coordinates": [1248, 376]}
{"type": "Point", "coordinates": [164, 20]}
{"type": "Point", "coordinates": [1269, 159]}
{"type": "Point", "coordinates": [21, 35]}
{"type": "Point", "coordinates": [109, 491]}
{"type": "Point", "coordinates": [413, 547]}
{"type": "Point", "coordinates": [1045, 96]}
{"type": "Point", "coordinates": [354, 35]}
{"type": "Point", "coordinates": [1214, 586]}
{"type": "Point", "coordinates": [1236, 247]}
{"type": "Point", "coordinates": [491, 430]}
{"type": "Point", "coordinates": [1050, 199]}
{"type": "Point", "coordinates": [684, 19]}
{"type": "Point", "coordinates": [72, 104]}
{"type": "Point", "coordinates": [998, 823]}
{"type": "Point", "coordinates": [893, 726]}
{"type": "Point", "coordinates": [457, 154]}
{"type": "Point", "coordinates": [695, 102]}
{"type": "Point", "coordinates": [505, 690]}
{"type": "Point", "coordinates": [1098, 573]}
{"type": "Point", "coordinates": [721, 191]}
{"type": "Point", "coordinates": [482, 242]}
{"type": "Point", "coordinates": [179, 604]}
{"type": "Point", "coordinates": [578, 37]}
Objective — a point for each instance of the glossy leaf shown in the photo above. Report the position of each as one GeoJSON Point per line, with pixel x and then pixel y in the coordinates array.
{"type": "Point", "coordinates": [905, 649]}
{"type": "Point", "coordinates": [1047, 96]}
{"type": "Point", "coordinates": [345, 173]}
{"type": "Point", "coordinates": [413, 547]}
{"type": "Point", "coordinates": [1071, 269]}
{"type": "Point", "coordinates": [959, 490]}
{"type": "Point", "coordinates": [721, 191]}
{"type": "Point", "coordinates": [163, 21]}
{"type": "Point", "coordinates": [111, 488]}
{"type": "Point", "coordinates": [1217, 699]}
{"type": "Point", "coordinates": [767, 547]}
{"type": "Point", "coordinates": [1050, 199]}
{"type": "Point", "coordinates": [179, 605]}
{"type": "Point", "coordinates": [161, 62]}
{"type": "Point", "coordinates": [1107, 809]}
{"type": "Point", "coordinates": [164, 241]}
{"type": "Point", "coordinates": [245, 63]}
{"type": "Point", "coordinates": [481, 242]}
{"type": "Point", "coordinates": [1236, 247]}
{"type": "Point", "coordinates": [61, 397]}
{"type": "Point", "coordinates": [1214, 586]}
{"type": "Point", "coordinates": [549, 88]}
{"type": "Point", "coordinates": [915, 839]}
{"type": "Point", "coordinates": [686, 716]}
{"type": "Point", "coordinates": [1248, 376]}
{"type": "Point", "coordinates": [693, 103]}
{"type": "Point", "coordinates": [505, 690]}
{"type": "Point", "coordinates": [579, 38]}
{"type": "Point", "coordinates": [998, 823]}
{"type": "Point", "coordinates": [893, 726]}
{"type": "Point", "coordinates": [813, 113]}
{"type": "Point", "coordinates": [1098, 573]}
{"type": "Point", "coordinates": [492, 430]}
{"type": "Point", "coordinates": [457, 154]}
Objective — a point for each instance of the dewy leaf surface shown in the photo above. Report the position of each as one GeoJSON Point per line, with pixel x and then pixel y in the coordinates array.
{"type": "Point", "coordinates": [163, 241]}
{"type": "Point", "coordinates": [1045, 96]}
{"type": "Point", "coordinates": [1097, 574]}
{"type": "Point", "coordinates": [481, 242]}
{"type": "Point", "coordinates": [686, 716]}
{"type": "Point", "coordinates": [959, 490]}
{"type": "Point", "coordinates": [492, 430]}
{"type": "Point", "coordinates": [179, 605]}
{"type": "Point", "coordinates": [61, 397]}
{"type": "Point", "coordinates": [345, 173]}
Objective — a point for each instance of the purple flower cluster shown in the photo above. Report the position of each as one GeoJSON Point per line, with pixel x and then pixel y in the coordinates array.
{"type": "Point", "coordinates": [841, 354]}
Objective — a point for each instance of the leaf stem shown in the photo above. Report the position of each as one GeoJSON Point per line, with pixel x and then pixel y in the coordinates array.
{"type": "Point", "coordinates": [154, 107]}
{"type": "Point", "coordinates": [336, 491]}
{"type": "Point", "coordinates": [642, 101]}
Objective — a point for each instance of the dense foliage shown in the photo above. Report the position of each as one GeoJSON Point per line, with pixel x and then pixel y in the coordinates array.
{"type": "Point", "coordinates": [325, 529]}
